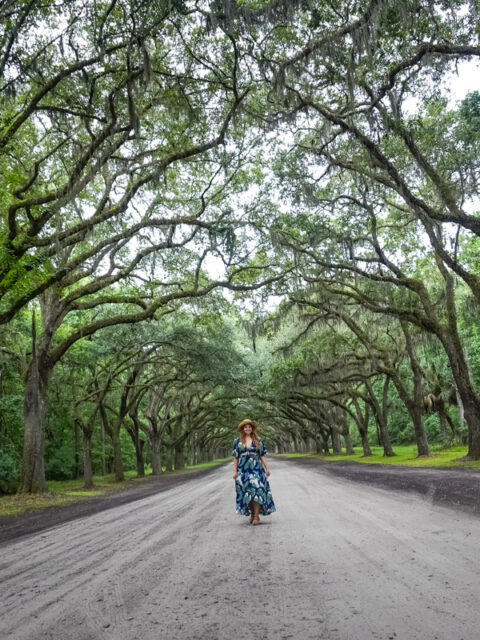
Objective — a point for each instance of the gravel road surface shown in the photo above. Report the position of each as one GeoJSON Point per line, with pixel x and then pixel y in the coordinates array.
{"type": "Point", "coordinates": [340, 560]}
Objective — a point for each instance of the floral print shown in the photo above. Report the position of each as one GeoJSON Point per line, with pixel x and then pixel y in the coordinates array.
{"type": "Point", "coordinates": [252, 482]}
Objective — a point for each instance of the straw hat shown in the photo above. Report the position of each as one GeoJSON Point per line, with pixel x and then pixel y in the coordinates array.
{"type": "Point", "coordinates": [247, 421]}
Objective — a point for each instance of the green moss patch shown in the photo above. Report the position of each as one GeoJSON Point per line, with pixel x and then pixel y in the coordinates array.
{"type": "Point", "coordinates": [21, 503]}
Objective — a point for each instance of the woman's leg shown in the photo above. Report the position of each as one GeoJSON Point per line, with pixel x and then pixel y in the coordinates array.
{"type": "Point", "coordinates": [255, 513]}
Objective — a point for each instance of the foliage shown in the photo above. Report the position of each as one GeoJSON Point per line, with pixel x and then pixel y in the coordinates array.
{"type": "Point", "coordinates": [9, 472]}
{"type": "Point", "coordinates": [212, 210]}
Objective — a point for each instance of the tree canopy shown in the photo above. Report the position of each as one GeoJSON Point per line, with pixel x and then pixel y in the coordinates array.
{"type": "Point", "coordinates": [239, 207]}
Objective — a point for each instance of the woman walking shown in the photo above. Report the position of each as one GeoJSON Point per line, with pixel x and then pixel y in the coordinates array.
{"type": "Point", "coordinates": [250, 472]}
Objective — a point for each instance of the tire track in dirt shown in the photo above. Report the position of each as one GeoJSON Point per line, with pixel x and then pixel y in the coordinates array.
{"type": "Point", "coordinates": [338, 561]}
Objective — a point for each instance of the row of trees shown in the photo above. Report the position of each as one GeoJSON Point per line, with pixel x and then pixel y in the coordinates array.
{"type": "Point", "coordinates": [348, 376]}
{"type": "Point", "coordinates": [153, 153]}
{"type": "Point", "coordinates": [157, 394]}
{"type": "Point", "coordinates": [119, 173]}
{"type": "Point", "coordinates": [382, 185]}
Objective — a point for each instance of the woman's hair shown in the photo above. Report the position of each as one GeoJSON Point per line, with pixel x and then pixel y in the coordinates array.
{"type": "Point", "coordinates": [240, 427]}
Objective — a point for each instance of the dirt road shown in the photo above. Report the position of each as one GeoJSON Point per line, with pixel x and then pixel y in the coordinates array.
{"type": "Point", "coordinates": [340, 560]}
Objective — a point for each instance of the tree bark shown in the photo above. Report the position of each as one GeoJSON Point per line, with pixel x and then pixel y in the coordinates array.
{"type": "Point", "coordinates": [336, 445]}
{"type": "Point", "coordinates": [117, 453]}
{"type": "Point", "coordinates": [169, 458]}
{"type": "Point", "coordinates": [134, 433]}
{"type": "Point", "coordinates": [179, 460]}
{"type": "Point", "coordinates": [446, 438]}
{"type": "Point", "coordinates": [349, 450]}
{"type": "Point", "coordinates": [87, 461]}
{"type": "Point", "coordinates": [362, 420]}
{"type": "Point", "coordinates": [105, 429]}
{"type": "Point", "coordinates": [34, 412]}
{"type": "Point", "coordinates": [156, 444]}
{"type": "Point", "coordinates": [380, 417]}
{"type": "Point", "coordinates": [35, 405]}
{"type": "Point", "coordinates": [415, 411]}
{"type": "Point", "coordinates": [77, 470]}
{"type": "Point", "coordinates": [414, 403]}
{"type": "Point", "coordinates": [454, 349]}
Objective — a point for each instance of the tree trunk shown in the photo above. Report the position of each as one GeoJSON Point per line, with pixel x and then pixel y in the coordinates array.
{"type": "Point", "coordinates": [179, 457]}
{"type": "Point", "coordinates": [362, 425]}
{"type": "Point", "coordinates": [348, 443]}
{"type": "Point", "coordinates": [469, 400]}
{"type": "Point", "coordinates": [140, 459]}
{"type": "Point", "coordinates": [77, 470]}
{"type": "Point", "coordinates": [294, 440]}
{"type": "Point", "coordinates": [380, 417]}
{"type": "Point", "coordinates": [336, 445]}
{"type": "Point", "coordinates": [415, 409]}
{"type": "Point", "coordinates": [367, 452]}
{"type": "Point", "coordinates": [362, 420]}
{"type": "Point", "coordinates": [117, 454]}
{"type": "Point", "coordinates": [105, 429]}
{"type": "Point", "coordinates": [34, 412]}
{"type": "Point", "coordinates": [385, 436]}
{"type": "Point", "coordinates": [446, 439]}
{"type": "Point", "coordinates": [32, 478]}
{"type": "Point", "coordinates": [452, 344]}
{"type": "Point", "coordinates": [420, 435]}
{"type": "Point", "coordinates": [449, 420]}
{"type": "Point", "coordinates": [414, 403]}
{"type": "Point", "coordinates": [138, 443]}
{"type": "Point", "coordinates": [156, 444]}
{"type": "Point", "coordinates": [169, 458]}
{"type": "Point", "coordinates": [87, 461]}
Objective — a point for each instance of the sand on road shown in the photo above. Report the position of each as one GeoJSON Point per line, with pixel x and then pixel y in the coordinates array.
{"type": "Point", "coordinates": [338, 561]}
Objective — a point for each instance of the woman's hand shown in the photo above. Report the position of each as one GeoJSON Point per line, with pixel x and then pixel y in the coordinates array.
{"type": "Point", "coordinates": [267, 471]}
{"type": "Point", "coordinates": [235, 474]}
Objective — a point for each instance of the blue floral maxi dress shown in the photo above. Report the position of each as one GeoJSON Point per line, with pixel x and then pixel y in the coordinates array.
{"type": "Point", "coordinates": [252, 482]}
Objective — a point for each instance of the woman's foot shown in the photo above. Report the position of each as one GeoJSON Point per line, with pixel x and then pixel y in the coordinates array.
{"type": "Point", "coordinates": [255, 520]}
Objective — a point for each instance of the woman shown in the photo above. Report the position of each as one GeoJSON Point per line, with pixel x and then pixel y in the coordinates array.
{"type": "Point", "coordinates": [250, 471]}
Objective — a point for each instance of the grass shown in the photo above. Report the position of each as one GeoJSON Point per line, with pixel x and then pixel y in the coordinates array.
{"type": "Point", "coordinates": [64, 492]}
{"type": "Point", "coordinates": [405, 455]}
{"type": "Point", "coordinates": [212, 463]}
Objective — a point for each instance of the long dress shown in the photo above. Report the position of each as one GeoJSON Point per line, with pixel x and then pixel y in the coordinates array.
{"type": "Point", "coordinates": [252, 482]}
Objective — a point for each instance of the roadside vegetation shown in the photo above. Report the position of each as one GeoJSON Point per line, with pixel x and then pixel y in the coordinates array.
{"type": "Point", "coordinates": [405, 456]}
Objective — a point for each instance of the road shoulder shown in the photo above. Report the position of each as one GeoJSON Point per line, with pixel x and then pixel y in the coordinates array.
{"type": "Point", "coordinates": [16, 526]}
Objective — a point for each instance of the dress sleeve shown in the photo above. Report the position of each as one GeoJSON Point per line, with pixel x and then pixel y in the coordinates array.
{"type": "Point", "coordinates": [235, 451]}
{"type": "Point", "coordinates": [263, 449]}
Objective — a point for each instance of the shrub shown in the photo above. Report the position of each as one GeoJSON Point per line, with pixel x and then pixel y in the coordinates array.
{"type": "Point", "coordinates": [9, 472]}
{"type": "Point", "coordinates": [60, 464]}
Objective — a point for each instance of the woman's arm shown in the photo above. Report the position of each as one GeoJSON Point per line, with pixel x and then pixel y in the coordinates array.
{"type": "Point", "coordinates": [265, 465]}
{"type": "Point", "coordinates": [235, 467]}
